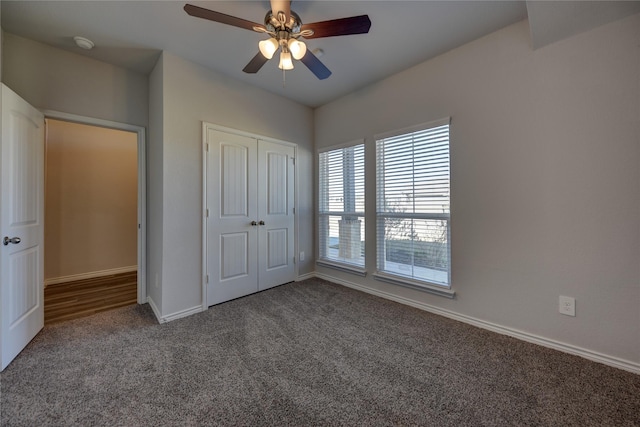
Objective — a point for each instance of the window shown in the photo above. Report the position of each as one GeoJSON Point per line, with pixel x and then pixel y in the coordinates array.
{"type": "Point", "coordinates": [341, 205]}
{"type": "Point", "coordinates": [412, 219]}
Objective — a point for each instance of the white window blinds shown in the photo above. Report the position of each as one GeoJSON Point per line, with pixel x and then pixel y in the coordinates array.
{"type": "Point", "coordinates": [341, 205]}
{"type": "Point", "coordinates": [412, 170]}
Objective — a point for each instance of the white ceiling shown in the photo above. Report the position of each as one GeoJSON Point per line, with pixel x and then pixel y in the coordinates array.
{"type": "Point", "coordinates": [132, 33]}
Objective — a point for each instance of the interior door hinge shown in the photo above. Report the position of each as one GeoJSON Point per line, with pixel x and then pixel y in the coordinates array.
{"type": "Point", "coordinates": [207, 278]}
{"type": "Point", "coordinates": [294, 160]}
{"type": "Point", "coordinates": [206, 213]}
{"type": "Point", "coordinates": [206, 147]}
{"type": "Point", "coordinates": [294, 260]}
{"type": "Point", "coordinates": [294, 211]}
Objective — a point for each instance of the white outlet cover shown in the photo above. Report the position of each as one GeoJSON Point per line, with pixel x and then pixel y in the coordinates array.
{"type": "Point", "coordinates": [567, 306]}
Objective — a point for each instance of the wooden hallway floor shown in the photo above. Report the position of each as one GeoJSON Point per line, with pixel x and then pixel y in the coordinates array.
{"type": "Point", "coordinates": [80, 298]}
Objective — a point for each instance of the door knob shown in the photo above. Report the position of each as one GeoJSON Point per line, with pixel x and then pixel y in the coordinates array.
{"type": "Point", "coordinates": [253, 223]}
{"type": "Point", "coordinates": [261, 222]}
{"type": "Point", "coordinates": [7, 240]}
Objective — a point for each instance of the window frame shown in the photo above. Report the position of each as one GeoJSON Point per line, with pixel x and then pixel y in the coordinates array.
{"type": "Point", "coordinates": [323, 260]}
{"type": "Point", "coordinates": [432, 286]}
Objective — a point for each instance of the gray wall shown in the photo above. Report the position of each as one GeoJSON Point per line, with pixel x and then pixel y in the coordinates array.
{"type": "Point", "coordinates": [193, 94]}
{"type": "Point", "coordinates": [545, 168]}
{"type": "Point", "coordinates": [172, 102]}
{"type": "Point", "coordinates": [155, 187]}
{"type": "Point", "coordinates": [54, 79]}
{"type": "Point", "coordinates": [545, 179]}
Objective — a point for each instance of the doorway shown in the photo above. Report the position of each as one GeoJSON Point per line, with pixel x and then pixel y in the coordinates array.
{"type": "Point", "coordinates": [94, 216]}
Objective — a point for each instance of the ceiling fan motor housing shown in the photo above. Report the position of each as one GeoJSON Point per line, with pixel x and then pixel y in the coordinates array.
{"type": "Point", "coordinates": [277, 22]}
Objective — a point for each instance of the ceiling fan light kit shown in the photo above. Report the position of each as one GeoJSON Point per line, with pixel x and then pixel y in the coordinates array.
{"type": "Point", "coordinates": [297, 48]}
{"type": "Point", "coordinates": [268, 47]}
{"type": "Point", "coordinates": [285, 61]}
{"type": "Point", "coordinates": [285, 28]}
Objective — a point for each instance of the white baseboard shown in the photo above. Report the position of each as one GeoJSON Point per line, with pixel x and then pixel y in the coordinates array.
{"type": "Point", "coordinates": [174, 316]}
{"type": "Point", "coordinates": [90, 275]}
{"type": "Point", "coordinates": [180, 314]}
{"type": "Point", "coordinates": [155, 309]}
{"type": "Point", "coordinates": [305, 277]}
{"type": "Point", "coordinates": [615, 362]}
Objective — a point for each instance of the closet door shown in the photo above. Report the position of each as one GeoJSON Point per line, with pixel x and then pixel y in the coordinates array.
{"type": "Point", "coordinates": [232, 230]}
{"type": "Point", "coordinates": [249, 218]}
{"type": "Point", "coordinates": [275, 212]}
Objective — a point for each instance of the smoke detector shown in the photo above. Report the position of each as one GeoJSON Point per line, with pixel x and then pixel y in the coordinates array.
{"type": "Point", "coordinates": [83, 43]}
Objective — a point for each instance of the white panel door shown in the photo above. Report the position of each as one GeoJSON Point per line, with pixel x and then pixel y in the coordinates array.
{"type": "Point", "coordinates": [232, 231]}
{"type": "Point", "coordinates": [275, 213]}
{"type": "Point", "coordinates": [249, 224]}
{"type": "Point", "coordinates": [21, 225]}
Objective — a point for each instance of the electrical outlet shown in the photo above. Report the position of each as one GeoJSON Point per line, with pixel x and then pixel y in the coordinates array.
{"type": "Point", "coordinates": [567, 306]}
{"type": "Point", "coordinates": [301, 256]}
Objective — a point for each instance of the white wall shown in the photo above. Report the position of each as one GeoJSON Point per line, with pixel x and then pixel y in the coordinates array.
{"type": "Point", "coordinates": [54, 79]}
{"type": "Point", "coordinates": [545, 153]}
{"type": "Point", "coordinates": [91, 199]}
{"type": "Point", "coordinates": [193, 94]}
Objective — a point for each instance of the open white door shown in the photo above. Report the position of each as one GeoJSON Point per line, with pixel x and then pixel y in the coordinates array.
{"type": "Point", "coordinates": [21, 225]}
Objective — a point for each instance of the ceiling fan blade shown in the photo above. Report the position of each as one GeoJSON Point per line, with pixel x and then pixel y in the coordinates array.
{"type": "Point", "coordinates": [313, 63]}
{"type": "Point", "coordinates": [339, 27]}
{"type": "Point", "coordinates": [200, 12]}
{"type": "Point", "coordinates": [281, 6]}
{"type": "Point", "coordinates": [255, 64]}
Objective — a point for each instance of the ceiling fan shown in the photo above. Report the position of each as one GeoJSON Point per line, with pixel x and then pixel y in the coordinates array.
{"type": "Point", "coordinates": [285, 28]}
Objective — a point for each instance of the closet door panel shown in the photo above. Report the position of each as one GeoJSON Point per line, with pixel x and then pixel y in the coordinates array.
{"type": "Point", "coordinates": [232, 201]}
{"type": "Point", "coordinates": [275, 211]}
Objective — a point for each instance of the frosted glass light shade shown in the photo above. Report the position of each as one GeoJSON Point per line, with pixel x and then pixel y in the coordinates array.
{"type": "Point", "coordinates": [285, 61]}
{"type": "Point", "coordinates": [297, 48]}
{"type": "Point", "coordinates": [268, 47]}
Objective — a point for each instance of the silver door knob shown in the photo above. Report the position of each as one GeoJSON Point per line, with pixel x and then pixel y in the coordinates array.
{"type": "Point", "coordinates": [7, 240]}
{"type": "Point", "coordinates": [261, 222]}
{"type": "Point", "coordinates": [254, 223]}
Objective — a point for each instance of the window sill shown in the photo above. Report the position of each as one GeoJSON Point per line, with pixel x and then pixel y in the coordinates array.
{"type": "Point", "coordinates": [414, 284]}
{"type": "Point", "coordinates": [342, 267]}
